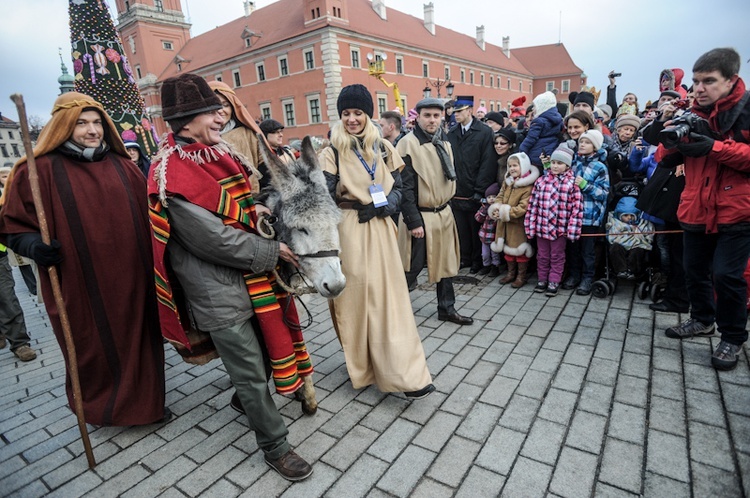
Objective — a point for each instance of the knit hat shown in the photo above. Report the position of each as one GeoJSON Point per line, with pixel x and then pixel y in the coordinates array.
{"type": "Point", "coordinates": [582, 98]}
{"type": "Point", "coordinates": [606, 110]}
{"type": "Point", "coordinates": [508, 134]}
{"type": "Point", "coordinates": [524, 160]}
{"type": "Point", "coordinates": [563, 154]}
{"type": "Point", "coordinates": [133, 145]}
{"type": "Point", "coordinates": [183, 97]}
{"type": "Point", "coordinates": [493, 189]}
{"type": "Point", "coordinates": [355, 97]}
{"type": "Point", "coordinates": [670, 93]}
{"type": "Point", "coordinates": [270, 126]}
{"type": "Point", "coordinates": [595, 137]}
{"type": "Point", "coordinates": [628, 119]}
{"type": "Point", "coordinates": [464, 101]}
{"type": "Point", "coordinates": [482, 108]}
{"type": "Point", "coordinates": [412, 115]}
{"type": "Point", "coordinates": [495, 117]}
{"type": "Point", "coordinates": [544, 102]}
{"type": "Point", "coordinates": [429, 103]}
{"type": "Point", "coordinates": [518, 109]}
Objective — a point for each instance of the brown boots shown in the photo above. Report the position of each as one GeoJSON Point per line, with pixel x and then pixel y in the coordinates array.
{"type": "Point", "coordinates": [521, 278]}
{"type": "Point", "coordinates": [511, 275]}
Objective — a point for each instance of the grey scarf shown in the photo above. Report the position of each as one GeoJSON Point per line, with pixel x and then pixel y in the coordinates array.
{"type": "Point", "coordinates": [438, 140]}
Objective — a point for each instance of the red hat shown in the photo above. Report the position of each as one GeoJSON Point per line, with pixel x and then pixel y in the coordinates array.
{"type": "Point", "coordinates": [518, 110]}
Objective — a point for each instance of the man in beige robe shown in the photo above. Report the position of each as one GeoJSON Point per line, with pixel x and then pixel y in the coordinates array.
{"type": "Point", "coordinates": [427, 230]}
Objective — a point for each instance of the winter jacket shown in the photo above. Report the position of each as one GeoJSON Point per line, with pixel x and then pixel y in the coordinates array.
{"type": "Point", "coordinates": [629, 235]}
{"type": "Point", "coordinates": [543, 135]}
{"type": "Point", "coordinates": [596, 191]}
{"type": "Point", "coordinates": [512, 205]}
{"type": "Point", "coordinates": [717, 186]}
{"type": "Point", "coordinates": [489, 226]}
{"type": "Point", "coordinates": [555, 207]}
{"type": "Point", "coordinates": [475, 159]}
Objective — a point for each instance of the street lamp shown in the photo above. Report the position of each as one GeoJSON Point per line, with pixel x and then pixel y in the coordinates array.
{"type": "Point", "coordinates": [439, 84]}
{"type": "Point", "coordinates": [427, 92]}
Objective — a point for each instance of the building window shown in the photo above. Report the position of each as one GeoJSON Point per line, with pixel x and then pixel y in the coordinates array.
{"type": "Point", "coordinates": [550, 85]}
{"type": "Point", "coordinates": [15, 150]}
{"type": "Point", "coordinates": [10, 135]}
{"type": "Point", "coordinates": [403, 103]}
{"type": "Point", "coordinates": [382, 105]}
{"type": "Point", "coordinates": [4, 150]}
{"type": "Point", "coordinates": [138, 71]}
{"type": "Point", "coordinates": [283, 66]}
{"type": "Point", "coordinates": [159, 4]}
{"type": "Point", "coordinates": [399, 65]}
{"type": "Point", "coordinates": [425, 70]}
{"type": "Point", "coordinates": [309, 59]}
{"type": "Point", "coordinates": [315, 12]}
{"type": "Point", "coordinates": [492, 81]}
{"type": "Point", "coordinates": [236, 78]}
{"type": "Point", "coordinates": [313, 105]}
{"type": "Point", "coordinates": [566, 86]}
{"type": "Point", "coordinates": [508, 83]}
{"type": "Point", "coordinates": [447, 74]}
{"type": "Point", "coordinates": [337, 12]}
{"type": "Point", "coordinates": [179, 66]}
{"type": "Point", "coordinates": [261, 70]}
{"type": "Point", "coordinates": [127, 5]}
{"type": "Point", "coordinates": [463, 76]}
{"type": "Point", "coordinates": [531, 87]}
{"type": "Point", "coordinates": [481, 79]}
{"type": "Point", "coordinates": [520, 86]}
{"type": "Point", "coordinates": [355, 58]}
{"type": "Point", "coordinates": [265, 111]}
{"type": "Point", "coordinates": [248, 42]}
{"type": "Point", "coordinates": [288, 114]}
{"type": "Point", "coordinates": [492, 104]}
{"type": "Point", "coordinates": [471, 77]}
{"type": "Point", "coordinates": [498, 80]}
{"type": "Point", "coordinates": [166, 45]}
{"type": "Point", "coordinates": [218, 77]}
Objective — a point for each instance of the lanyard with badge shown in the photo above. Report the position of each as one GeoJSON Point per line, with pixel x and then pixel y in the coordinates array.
{"type": "Point", "coordinates": [376, 190]}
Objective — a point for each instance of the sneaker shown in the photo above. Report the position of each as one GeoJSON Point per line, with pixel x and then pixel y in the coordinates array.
{"type": "Point", "coordinates": [290, 466]}
{"type": "Point", "coordinates": [726, 356]}
{"type": "Point", "coordinates": [540, 286]}
{"type": "Point", "coordinates": [422, 393]}
{"type": "Point", "coordinates": [689, 328]}
{"type": "Point", "coordinates": [584, 288]}
{"type": "Point", "coordinates": [25, 353]}
{"type": "Point", "coordinates": [571, 283]}
{"type": "Point", "coordinates": [236, 404]}
{"type": "Point", "coordinates": [484, 270]}
{"type": "Point", "coordinates": [494, 271]}
{"type": "Point", "coordinates": [622, 274]}
{"type": "Point", "coordinates": [552, 289]}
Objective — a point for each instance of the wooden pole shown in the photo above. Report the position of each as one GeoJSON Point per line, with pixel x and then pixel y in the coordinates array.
{"type": "Point", "coordinates": [54, 278]}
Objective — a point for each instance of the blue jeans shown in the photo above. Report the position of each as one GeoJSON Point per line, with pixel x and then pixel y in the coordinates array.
{"type": "Point", "coordinates": [725, 254]}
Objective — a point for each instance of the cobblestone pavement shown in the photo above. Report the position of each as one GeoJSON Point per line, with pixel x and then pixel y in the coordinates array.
{"type": "Point", "coordinates": [567, 396]}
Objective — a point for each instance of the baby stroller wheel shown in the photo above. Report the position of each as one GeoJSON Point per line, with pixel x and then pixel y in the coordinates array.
{"type": "Point", "coordinates": [600, 289]}
{"type": "Point", "coordinates": [611, 285]}
{"type": "Point", "coordinates": [656, 292]}
{"type": "Point", "coordinates": [643, 290]}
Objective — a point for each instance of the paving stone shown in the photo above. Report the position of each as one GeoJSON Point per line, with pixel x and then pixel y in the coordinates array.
{"type": "Point", "coordinates": [512, 334]}
{"type": "Point", "coordinates": [520, 413]}
{"type": "Point", "coordinates": [667, 415]}
{"type": "Point", "coordinates": [701, 377]}
{"type": "Point", "coordinates": [501, 449]}
{"type": "Point", "coordinates": [603, 371]}
{"type": "Point", "coordinates": [578, 354]}
{"type": "Point", "coordinates": [586, 432]}
{"type": "Point", "coordinates": [627, 423]}
{"type": "Point", "coordinates": [221, 489]}
{"type": "Point", "coordinates": [421, 411]}
{"type": "Point", "coordinates": [639, 344]}
{"type": "Point", "coordinates": [540, 327]}
{"type": "Point", "coordinates": [384, 413]}
{"type": "Point", "coordinates": [427, 488]}
{"type": "Point", "coordinates": [528, 478]}
{"type": "Point", "coordinates": [668, 455]}
{"type": "Point", "coordinates": [121, 482]}
{"type": "Point", "coordinates": [710, 445]}
{"type": "Point", "coordinates": [569, 378]}
{"type": "Point", "coordinates": [657, 485]}
{"type": "Point", "coordinates": [631, 390]}
{"type": "Point", "coordinates": [392, 442]}
{"type": "Point", "coordinates": [211, 470]}
{"type": "Point", "coordinates": [462, 400]}
{"type": "Point", "coordinates": [544, 441]}
{"type": "Point", "coordinates": [606, 491]}
{"type": "Point", "coordinates": [467, 357]}
{"type": "Point", "coordinates": [406, 471]}
{"type": "Point", "coordinates": [710, 481]}
{"type": "Point", "coordinates": [705, 407]}
{"type": "Point", "coordinates": [249, 471]}
{"type": "Point", "coordinates": [586, 335]}
{"type": "Point", "coordinates": [479, 422]}
{"type": "Point", "coordinates": [454, 461]}
{"type": "Point", "coordinates": [608, 349]}
{"type": "Point", "coordinates": [345, 419]}
{"type": "Point", "coordinates": [667, 359]}
{"type": "Point", "coordinates": [574, 474]}
{"type": "Point", "coordinates": [482, 373]}
{"type": "Point", "coordinates": [529, 346]}
{"type": "Point", "coordinates": [547, 361]}
{"type": "Point", "coordinates": [480, 482]}
{"type": "Point", "coordinates": [348, 449]}
{"type": "Point", "coordinates": [558, 341]}
{"type": "Point", "coordinates": [744, 468]}
{"type": "Point", "coordinates": [736, 398]}
{"type": "Point", "coordinates": [558, 406]}
{"type": "Point", "coordinates": [325, 476]}
{"type": "Point", "coordinates": [534, 384]}
{"type": "Point", "coordinates": [621, 465]}
{"type": "Point", "coordinates": [515, 366]}
{"type": "Point", "coordinates": [499, 391]}
{"type": "Point", "coordinates": [636, 365]}
{"type": "Point", "coordinates": [360, 478]}
{"type": "Point", "coordinates": [216, 442]}
{"type": "Point", "coordinates": [437, 431]}
{"type": "Point", "coordinates": [667, 385]}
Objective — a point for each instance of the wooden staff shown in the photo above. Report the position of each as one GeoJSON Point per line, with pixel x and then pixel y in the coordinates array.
{"type": "Point", "coordinates": [54, 279]}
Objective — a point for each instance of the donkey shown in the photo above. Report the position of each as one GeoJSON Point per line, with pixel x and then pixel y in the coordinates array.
{"type": "Point", "coordinates": [307, 221]}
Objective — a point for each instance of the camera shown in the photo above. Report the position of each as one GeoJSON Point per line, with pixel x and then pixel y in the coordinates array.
{"type": "Point", "coordinates": [614, 74]}
{"type": "Point", "coordinates": [681, 127]}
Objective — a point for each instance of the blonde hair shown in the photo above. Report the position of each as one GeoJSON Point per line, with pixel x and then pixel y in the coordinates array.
{"type": "Point", "coordinates": [367, 142]}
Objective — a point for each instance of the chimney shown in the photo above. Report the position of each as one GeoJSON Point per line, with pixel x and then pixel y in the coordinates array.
{"type": "Point", "coordinates": [379, 7]}
{"type": "Point", "coordinates": [506, 46]}
{"type": "Point", "coordinates": [249, 7]}
{"type": "Point", "coordinates": [429, 17]}
{"type": "Point", "coordinates": [480, 37]}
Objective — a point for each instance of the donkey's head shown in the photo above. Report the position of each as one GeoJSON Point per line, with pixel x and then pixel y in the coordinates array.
{"type": "Point", "coordinates": [307, 216]}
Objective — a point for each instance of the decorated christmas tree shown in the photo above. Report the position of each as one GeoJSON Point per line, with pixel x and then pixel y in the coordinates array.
{"type": "Point", "coordinates": [102, 71]}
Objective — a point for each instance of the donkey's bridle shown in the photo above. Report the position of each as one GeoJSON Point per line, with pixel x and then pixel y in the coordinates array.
{"type": "Point", "coordinates": [321, 254]}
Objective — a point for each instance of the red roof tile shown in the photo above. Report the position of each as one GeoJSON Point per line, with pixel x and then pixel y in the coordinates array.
{"type": "Point", "coordinates": [547, 60]}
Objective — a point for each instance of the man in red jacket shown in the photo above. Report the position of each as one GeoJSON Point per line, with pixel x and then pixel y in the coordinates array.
{"type": "Point", "coordinates": [714, 208]}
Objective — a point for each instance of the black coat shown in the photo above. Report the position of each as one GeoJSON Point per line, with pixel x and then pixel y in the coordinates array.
{"type": "Point", "coordinates": [475, 159]}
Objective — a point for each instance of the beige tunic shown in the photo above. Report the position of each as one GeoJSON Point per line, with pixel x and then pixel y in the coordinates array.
{"type": "Point", "coordinates": [373, 317]}
{"type": "Point", "coordinates": [244, 141]}
{"type": "Point", "coordinates": [434, 190]}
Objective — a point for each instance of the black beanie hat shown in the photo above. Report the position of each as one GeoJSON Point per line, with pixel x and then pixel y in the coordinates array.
{"type": "Point", "coordinates": [582, 98]}
{"type": "Point", "coordinates": [355, 97]}
{"type": "Point", "coordinates": [508, 134]}
{"type": "Point", "coordinates": [270, 126]}
{"type": "Point", "coordinates": [183, 97]}
{"type": "Point", "coordinates": [496, 117]}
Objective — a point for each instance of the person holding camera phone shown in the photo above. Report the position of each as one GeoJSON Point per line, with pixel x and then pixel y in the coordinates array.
{"type": "Point", "coordinates": [714, 210]}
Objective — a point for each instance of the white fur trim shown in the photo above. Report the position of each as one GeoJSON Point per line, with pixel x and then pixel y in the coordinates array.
{"type": "Point", "coordinates": [529, 179]}
{"type": "Point", "coordinates": [504, 212]}
{"type": "Point", "coordinates": [493, 211]}
{"type": "Point", "coordinates": [497, 245]}
{"type": "Point", "coordinates": [524, 249]}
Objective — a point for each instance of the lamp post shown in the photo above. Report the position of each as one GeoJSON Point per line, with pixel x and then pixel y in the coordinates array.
{"type": "Point", "coordinates": [376, 67]}
{"type": "Point", "coordinates": [438, 84]}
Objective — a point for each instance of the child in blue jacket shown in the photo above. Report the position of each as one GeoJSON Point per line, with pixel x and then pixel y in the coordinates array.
{"type": "Point", "coordinates": [545, 131]}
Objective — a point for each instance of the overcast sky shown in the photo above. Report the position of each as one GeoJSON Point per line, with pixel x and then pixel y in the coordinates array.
{"type": "Point", "coordinates": [638, 38]}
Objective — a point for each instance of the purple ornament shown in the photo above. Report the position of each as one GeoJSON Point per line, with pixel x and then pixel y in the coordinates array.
{"type": "Point", "coordinates": [77, 66]}
{"type": "Point", "coordinates": [129, 136]}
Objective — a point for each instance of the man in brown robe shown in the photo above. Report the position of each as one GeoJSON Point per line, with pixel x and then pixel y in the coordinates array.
{"type": "Point", "coordinates": [94, 198]}
{"type": "Point", "coordinates": [427, 231]}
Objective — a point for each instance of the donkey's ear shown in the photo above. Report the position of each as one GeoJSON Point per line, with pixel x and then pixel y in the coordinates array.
{"type": "Point", "coordinates": [308, 154]}
{"type": "Point", "coordinates": [274, 164]}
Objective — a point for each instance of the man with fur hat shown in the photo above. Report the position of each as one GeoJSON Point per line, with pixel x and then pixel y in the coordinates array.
{"type": "Point", "coordinates": [209, 259]}
{"type": "Point", "coordinates": [427, 230]}
{"type": "Point", "coordinates": [476, 166]}
{"type": "Point", "coordinates": [93, 199]}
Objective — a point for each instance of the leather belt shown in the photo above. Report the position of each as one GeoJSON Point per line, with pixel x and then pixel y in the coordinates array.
{"type": "Point", "coordinates": [346, 204]}
{"type": "Point", "coordinates": [432, 210]}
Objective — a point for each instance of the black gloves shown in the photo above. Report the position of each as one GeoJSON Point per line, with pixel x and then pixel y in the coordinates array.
{"type": "Point", "coordinates": [477, 197]}
{"type": "Point", "coordinates": [47, 255]}
{"type": "Point", "coordinates": [698, 146]}
{"type": "Point", "coordinates": [617, 160]}
{"type": "Point", "coordinates": [366, 212]}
